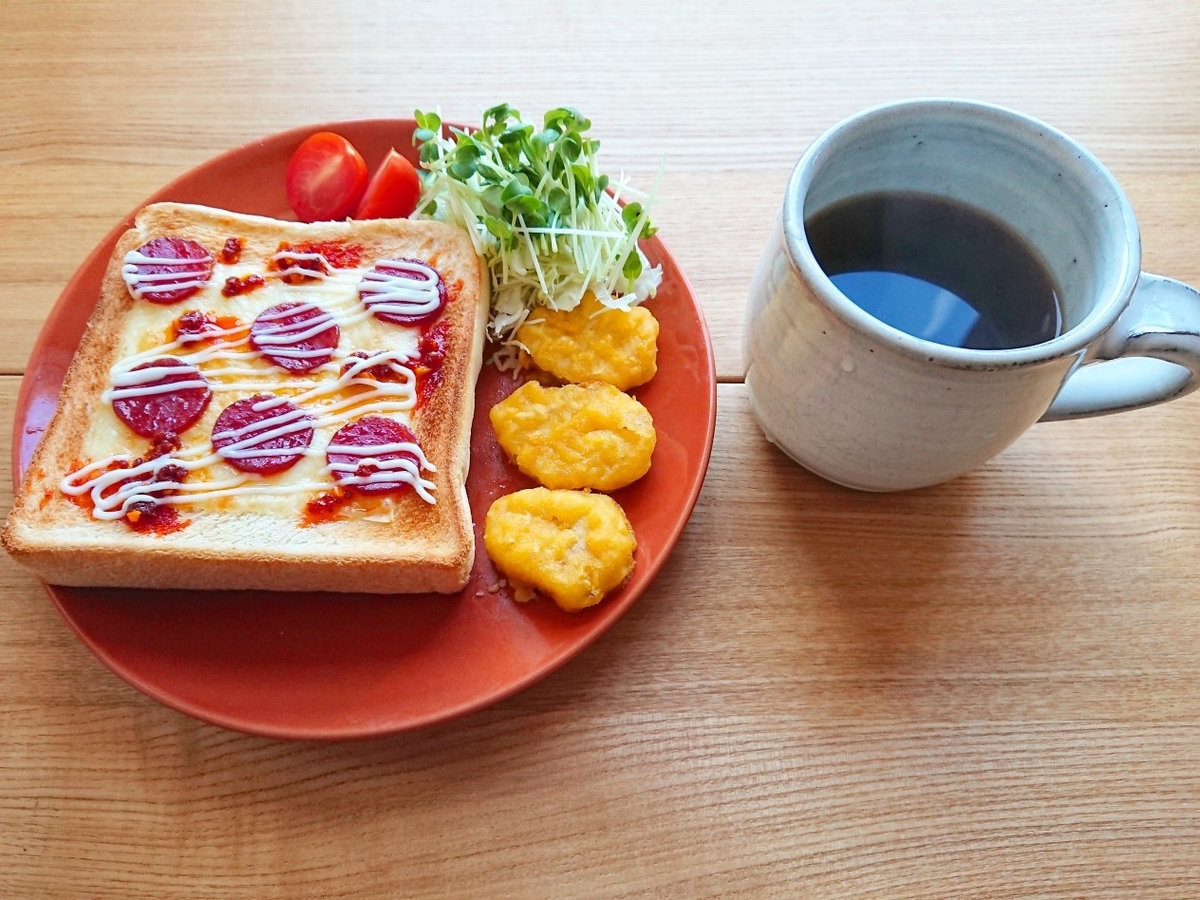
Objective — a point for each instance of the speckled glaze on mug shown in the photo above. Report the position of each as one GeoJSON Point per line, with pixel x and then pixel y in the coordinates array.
{"type": "Point", "coordinates": [871, 407]}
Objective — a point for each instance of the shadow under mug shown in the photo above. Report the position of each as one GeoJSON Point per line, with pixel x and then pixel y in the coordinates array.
{"type": "Point", "coordinates": [872, 407]}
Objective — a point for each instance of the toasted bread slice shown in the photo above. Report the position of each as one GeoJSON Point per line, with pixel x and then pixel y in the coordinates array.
{"type": "Point", "coordinates": [214, 520]}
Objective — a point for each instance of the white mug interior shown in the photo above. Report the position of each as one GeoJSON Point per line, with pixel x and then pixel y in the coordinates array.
{"type": "Point", "coordinates": [1040, 183]}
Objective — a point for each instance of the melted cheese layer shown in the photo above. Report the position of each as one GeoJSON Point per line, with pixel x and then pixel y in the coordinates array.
{"type": "Point", "coordinates": [333, 394]}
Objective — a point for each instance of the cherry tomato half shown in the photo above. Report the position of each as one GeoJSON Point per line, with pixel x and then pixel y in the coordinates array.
{"type": "Point", "coordinates": [393, 192]}
{"type": "Point", "coordinates": [326, 177]}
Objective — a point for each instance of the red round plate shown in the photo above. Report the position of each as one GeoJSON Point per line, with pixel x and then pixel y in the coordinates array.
{"type": "Point", "coordinates": [336, 666]}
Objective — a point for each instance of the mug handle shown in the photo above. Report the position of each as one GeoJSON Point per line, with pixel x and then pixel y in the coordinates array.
{"type": "Point", "coordinates": [1153, 353]}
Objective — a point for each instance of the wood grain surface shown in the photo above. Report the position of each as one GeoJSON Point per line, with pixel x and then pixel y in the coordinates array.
{"type": "Point", "coordinates": [989, 688]}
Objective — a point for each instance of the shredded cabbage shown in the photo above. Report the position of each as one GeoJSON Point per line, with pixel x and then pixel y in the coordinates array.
{"type": "Point", "coordinates": [549, 226]}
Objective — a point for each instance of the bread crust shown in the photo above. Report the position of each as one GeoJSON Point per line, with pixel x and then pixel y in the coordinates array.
{"type": "Point", "coordinates": [415, 547]}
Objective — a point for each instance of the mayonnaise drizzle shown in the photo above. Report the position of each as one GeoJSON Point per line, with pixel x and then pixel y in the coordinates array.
{"type": "Point", "coordinates": [384, 471]}
{"type": "Point", "coordinates": [273, 331]}
{"type": "Point", "coordinates": [324, 270]}
{"type": "Point", "coordinates": [248, 441]}
{"type": "Point", "coordinates": [229, 364]}
{"type": "Point", "coordinates": [142, 283]}
{"type": "Point", "coordinates": [142, 485]}
{"type": "Point", "coordinates": [415, 294]}
{"type": "Point", "coordinates": [128, 384]}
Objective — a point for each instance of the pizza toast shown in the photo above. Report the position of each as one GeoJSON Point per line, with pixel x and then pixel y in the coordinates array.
{"type": "Point", "coordinates": [269, 405]}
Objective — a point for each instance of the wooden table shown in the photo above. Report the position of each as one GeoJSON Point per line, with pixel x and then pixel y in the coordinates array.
{"type": "Point", "coordinates": [989, 688]}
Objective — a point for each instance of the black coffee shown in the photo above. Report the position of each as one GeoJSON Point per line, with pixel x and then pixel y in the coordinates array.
{"type": "Point", "coordinates": [937, 269]}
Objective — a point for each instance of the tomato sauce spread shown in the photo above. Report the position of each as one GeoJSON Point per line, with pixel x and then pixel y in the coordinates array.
{"type": "Point", "coordinates": [386, 370]}
{"type": "Point", "coordinates": [232, 251]}
{"type": "Point", "coordinates": [196, 322]}
{"type": "Point", "coordinates": [155, 518]}
{"type": "Point", "coordinates": [431, 351]}
{"type": "Point", "coordinates": [325, 507]}
{"type": "Point", "coordinates": [317, 257]}
{"type": "Point", "coordinates": [145, 516]}
{"type": "Point", "coordinates": [235, 286]}
{"type": "Point", "coordinates": [341, 500]}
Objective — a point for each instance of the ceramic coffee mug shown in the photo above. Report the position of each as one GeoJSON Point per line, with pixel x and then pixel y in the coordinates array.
{"type": "Point", "coordinates": [870, 406]}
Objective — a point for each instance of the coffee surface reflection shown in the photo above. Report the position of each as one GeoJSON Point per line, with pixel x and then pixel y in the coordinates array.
{"type": "Point", "coordinates": [937, 269]}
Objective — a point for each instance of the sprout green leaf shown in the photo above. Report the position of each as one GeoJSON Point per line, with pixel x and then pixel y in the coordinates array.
{"type": "Point", "coordinates": [549, 225]}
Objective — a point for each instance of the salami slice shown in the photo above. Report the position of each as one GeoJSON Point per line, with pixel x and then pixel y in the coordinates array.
{"type": "Point", "coordinates": [403, 291]}
{"type": "Point", "coordinates": [375, 455]}
{"type": "Point", "coordinates": [263, 434]}
{"type": "Point", "coordinates": [162, 397]}
{"type": "Point", "coordinates": [167, 270]}
{"type": "Point", "coordinates": [297, 337]}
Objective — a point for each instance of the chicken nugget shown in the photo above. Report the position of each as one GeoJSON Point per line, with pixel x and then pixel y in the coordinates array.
{"type": "Point", "coordinates": [594, 343]}
{"type": "Point", "coordinates": [576, 436]}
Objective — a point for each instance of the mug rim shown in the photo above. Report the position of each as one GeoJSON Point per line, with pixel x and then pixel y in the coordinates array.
{"type": "Point", "coordinates": [1102, 315]}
